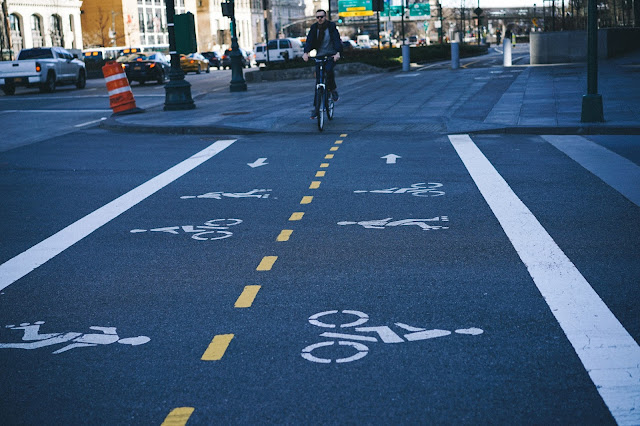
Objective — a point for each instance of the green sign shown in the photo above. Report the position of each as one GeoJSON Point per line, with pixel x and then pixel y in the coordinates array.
{"type": "Point", "coordinates": [348, 8]}
{"type": "Point", "coordinates": [420, 9]}
{"type": "Point", "coordinates": [416, 10]}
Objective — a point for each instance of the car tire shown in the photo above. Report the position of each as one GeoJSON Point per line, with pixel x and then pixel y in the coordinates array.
{"type": "Point", "coordinates": [9, 89]}
{"type": "Point", "coordinates": [198, 71]}
{"type": "Point", "coordinates": [82, 80]}
{"type": "Point", "coordinates": [49, 86]}
{"type": "Point", "coordinates": [161, 77]}
{"type": "Point", "coordinates": [208, 69]}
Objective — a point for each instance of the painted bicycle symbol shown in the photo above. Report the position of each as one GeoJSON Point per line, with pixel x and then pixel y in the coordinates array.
{"type": "Point", "coordinates": [218, 195]}
{"type": "Point", "coordinates": [215, 229]}
{"type": "Point", "coordinates": [33, 339]}
{"type": "Point", "coordinates": [385, 334]}
{"type": "Point", "coordinates": [420, 189]}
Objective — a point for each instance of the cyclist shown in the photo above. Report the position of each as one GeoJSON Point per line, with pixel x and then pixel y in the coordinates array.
{"type": "Point", "coordinates": [324, 38]}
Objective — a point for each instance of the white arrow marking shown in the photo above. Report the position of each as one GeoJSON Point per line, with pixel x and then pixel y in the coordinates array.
{"type": "Point", "coordinates": [259, 162]}
{"type": "Point", "coordinates": [391, 158]}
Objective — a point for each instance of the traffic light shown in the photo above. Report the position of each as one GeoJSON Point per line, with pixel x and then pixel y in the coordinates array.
{"type": "Point", "coordinates": [185, 30]}
{"type": "Point", "coordinates": [227, 9]}
{"type": "Point", "coordinates": [339, 20]}
{"type": "Point", "coordinates": [378, 5]}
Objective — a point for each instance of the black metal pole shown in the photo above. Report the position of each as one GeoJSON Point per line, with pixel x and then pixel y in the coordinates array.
{"type": "Point", "coordinates": [592, 110]}
{"type": "Point", "coordinates": [177, 90]}
{"type": "Point", "coordinates": [237, 80]}
{"type": "Point", "coordinates": [378, 27]}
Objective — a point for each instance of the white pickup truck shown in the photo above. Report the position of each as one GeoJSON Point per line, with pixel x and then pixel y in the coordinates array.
{"type": "Point", "coordinates": [43, 67]}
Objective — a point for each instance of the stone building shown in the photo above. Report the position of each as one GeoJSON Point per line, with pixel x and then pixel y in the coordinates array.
{"type": "Point", "coordinates": [37, 23]}
{"type": "Point", "coordinates": [134, 23]}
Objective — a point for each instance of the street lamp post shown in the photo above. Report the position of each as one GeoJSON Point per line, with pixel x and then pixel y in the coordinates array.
{"type": "Point", "coordinates": [177, 90]}
{"type": "Point", "coordinates": [592, 110]}
{"type": "Point", "coordinates": [237, 80]}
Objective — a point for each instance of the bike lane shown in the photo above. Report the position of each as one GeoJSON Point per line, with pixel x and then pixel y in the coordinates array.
{"type": "Point", "coordinates": [161, 284]}
{"type": "Point", "coordinates": [442, 320]}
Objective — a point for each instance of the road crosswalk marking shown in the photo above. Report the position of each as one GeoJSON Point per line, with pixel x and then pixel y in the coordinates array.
{"type": "Point", "coordinates": [605, 348]}
{"type": "Point", "coordinates": [616, 171]}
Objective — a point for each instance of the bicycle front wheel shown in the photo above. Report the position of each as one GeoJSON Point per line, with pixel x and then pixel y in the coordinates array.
{"type": "Point", "coordinates": [330, 106]}
{"type": "Point", "coordinates": [320, 100]}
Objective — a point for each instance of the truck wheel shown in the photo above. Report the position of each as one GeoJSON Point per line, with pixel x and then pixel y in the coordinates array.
{"type": "Point", "coordinates": [9, 89]}
{"type": "Point", "coordinates": [82, 80]}
{"type": "Point", "coordinates": [50, 85]}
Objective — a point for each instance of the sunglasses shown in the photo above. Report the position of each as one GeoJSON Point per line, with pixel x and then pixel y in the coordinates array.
{"type": "Point", "coordinates": [320, 17]}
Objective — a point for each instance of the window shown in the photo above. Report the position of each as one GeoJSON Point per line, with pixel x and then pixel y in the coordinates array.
{"type": "Point", "coordinates": [36, 31]}
{"type": "Point", "coordinates": [16, 32]}
{"type": "Point", "coordinates": [56, 31]}
{"type": "Point", "coordinates": [141, 19]}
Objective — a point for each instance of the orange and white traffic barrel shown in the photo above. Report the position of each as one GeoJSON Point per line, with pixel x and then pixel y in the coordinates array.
{"type": "Point", "coordinates": [121, 98]}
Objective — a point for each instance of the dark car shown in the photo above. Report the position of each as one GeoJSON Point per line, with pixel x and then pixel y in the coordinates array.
{"type": "Point", "coordinates": [244, 57]}
{"type": "Point", "coordinates": [214, 59]}
{"type": "Point", "coordinates": [145, 66]}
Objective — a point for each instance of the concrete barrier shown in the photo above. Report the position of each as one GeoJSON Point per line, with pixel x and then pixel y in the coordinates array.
{"type": "Point", "coordinates": [348, 68]}
{"type": "Point", "coordinates": [571, 46]}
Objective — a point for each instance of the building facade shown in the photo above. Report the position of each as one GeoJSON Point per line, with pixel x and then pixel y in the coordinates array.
{"type": "Point", "coordinates": [38, 23]}
{"type": "Point", "coordinates": [132, 23]}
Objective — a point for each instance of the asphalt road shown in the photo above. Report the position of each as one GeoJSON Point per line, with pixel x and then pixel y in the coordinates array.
{"type": "Point", "coordinates": [69, 109]}
{"type": "Point", "coordinates": [328, 283]}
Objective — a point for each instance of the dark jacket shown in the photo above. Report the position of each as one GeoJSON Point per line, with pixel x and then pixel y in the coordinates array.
{"type": "Point", "coordinates": [312, 38]}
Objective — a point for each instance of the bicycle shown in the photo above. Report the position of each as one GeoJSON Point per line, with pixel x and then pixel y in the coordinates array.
{"type": "Point", "coordinates": [323, 101]}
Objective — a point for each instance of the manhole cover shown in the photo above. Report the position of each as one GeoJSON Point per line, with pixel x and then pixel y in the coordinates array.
{"type": "Point", "coordinates": [236, 113]}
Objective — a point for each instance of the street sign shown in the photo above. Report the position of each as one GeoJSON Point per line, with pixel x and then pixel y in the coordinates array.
{"type": "Point", "coordinates": [347, 8]}
{"type": "Point", "coordinates": [420, 10]}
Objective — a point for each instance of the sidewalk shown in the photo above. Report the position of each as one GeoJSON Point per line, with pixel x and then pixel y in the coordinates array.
{"type": "Point", "coordinates": [519, 99]}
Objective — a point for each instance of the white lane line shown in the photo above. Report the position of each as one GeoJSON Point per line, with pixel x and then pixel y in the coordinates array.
{"type": "Point", "coordinates": [614, 170]}
{"type": "Point", "coordinates": [90, 122]}
{"type": "Point", "coordinates": [607, 351]}
{"type": "Point", "coordinates": [65, 111]}
{"type": "Point", "coordinates": [19, 266]}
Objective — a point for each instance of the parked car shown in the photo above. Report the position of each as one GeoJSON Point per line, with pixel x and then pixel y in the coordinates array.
{"type": "Point", "coordinates": [348, 45]}
{"type": "Point", "coordinates": [214, 58]}
{"type": "Point", "coordinates": [147, 66]}
{"type": "Point", "coordinates": [244, 57]}
{"type": "Point", "coordinates": [43, 67]}
{"type": "Point", "coordinates": [279, 50]}
{"type": "Point", "coordinates": [194, 62]}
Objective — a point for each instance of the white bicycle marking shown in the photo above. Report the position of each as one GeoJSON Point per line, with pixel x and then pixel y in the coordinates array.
{"type": "Point", "coordinates": [218, 195]}
{"type": "Point", "coordinates": [35, 340]}
{"type": "Point", "coordinates": [210, 227]}
{"type": "Point", "coordinates": [417, 190]}
{"type": "Point", "coordinates": [388, 223]}
{"type": "Point", "coordinates": [385, 334]}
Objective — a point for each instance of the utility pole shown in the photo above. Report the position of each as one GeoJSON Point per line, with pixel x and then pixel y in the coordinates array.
{"type": "Point", "coordinates": [441, 29]}
{"type": "Point", "coordinates": [592, 110]}
{"type": "Point", "coordinates": [7, 27]}
{"type": "Point", "coordinates": [177, 90]}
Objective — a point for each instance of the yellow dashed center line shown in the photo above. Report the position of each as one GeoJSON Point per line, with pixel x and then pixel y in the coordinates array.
{"type": "Point", "coordinates": [338, 142]}
{"type": "Point", "coordinates": [334, 148]}
{"type": "Point", "coordinates": [320, 173]}
{"type": "Point", "coordinates": [284, 235]}
{"type": "Point", "coordinates": [315, 184]}
{"type": "Point", "coordinates": [248, 295]}
{"type": "Point", "coordinates": [324, 165]}
{"type": "Point", "coordinates": [217, 347]}
{"type": "Point", "coordinates": [296, 216]}
{"type": "Point", "coordinates": [306, 199]}
{"type": "Point", "coordinates": [328, 156]}
{"type": "Point", "coordinates": [267, 263]}
{"type": "Point", "coordinates": [344, 135]}
{"type": "Point", "coordinates": [178, 416]}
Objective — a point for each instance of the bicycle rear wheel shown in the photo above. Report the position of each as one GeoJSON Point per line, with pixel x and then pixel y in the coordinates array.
{"type": "Point", "coordinates": [320, 100]}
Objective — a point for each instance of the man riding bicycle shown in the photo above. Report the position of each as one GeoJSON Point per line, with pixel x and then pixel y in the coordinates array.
{"type": "Point", "coordinates": [324, 38]}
